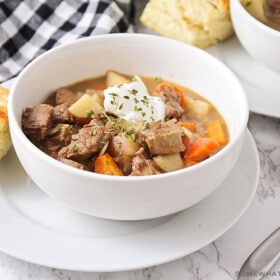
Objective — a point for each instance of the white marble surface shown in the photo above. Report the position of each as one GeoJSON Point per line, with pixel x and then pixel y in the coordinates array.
{"type": "Point", "coordinates": [220, 260]}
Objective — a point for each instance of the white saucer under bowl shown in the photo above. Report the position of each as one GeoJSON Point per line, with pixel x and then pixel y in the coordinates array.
{"type": "Point", "coordinates": [42, 231]}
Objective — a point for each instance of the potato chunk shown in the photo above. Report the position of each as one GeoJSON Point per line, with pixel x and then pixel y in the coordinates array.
{"type": "Point", "coordinates": [87, 105]}
{"type": "Point", "coordinates": [169, 162]}
{"type": "Point", "coordinates": [115, 79]}
{"type": "Point", "coordinates": [122, 145]}
{"type": "Point", "coordinates": [199, 107]}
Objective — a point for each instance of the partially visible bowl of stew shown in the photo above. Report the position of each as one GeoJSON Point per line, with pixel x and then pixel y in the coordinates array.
{"type": "Point", "coordinates": [127, 126]}
{"type": "Point", "coordinates": [257, 26]}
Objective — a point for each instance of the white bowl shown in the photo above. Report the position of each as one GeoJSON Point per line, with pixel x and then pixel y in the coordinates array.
{"type": "Point", "coordinates": [128, 198]}
{"type": "Point", "coordinates": [261, 41]}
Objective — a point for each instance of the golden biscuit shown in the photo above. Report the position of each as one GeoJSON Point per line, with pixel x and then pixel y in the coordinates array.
{"type": "Point", "coordinates": [5, 139]}
{"type": "Point", "coordinates": [197, 22]}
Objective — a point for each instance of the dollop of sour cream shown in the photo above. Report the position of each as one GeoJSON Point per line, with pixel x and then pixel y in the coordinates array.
{"type": "Point", "coordinates": [132, 102]}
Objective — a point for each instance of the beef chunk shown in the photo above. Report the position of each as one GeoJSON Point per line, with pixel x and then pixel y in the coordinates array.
{"type": "Point", "coordinates": [143, 166]}
{"type": "Point", "coordinates": [115, 126]}
{"type": "Point", "coordinates": [162, 137]}
{"type": "Point", "coordinates": [36, 121]}
{"type": "Point", "coordinates": [125, 163]}
{"type": "Point", "coordinates": [65, 96]}
{"type": "Point", "coordinates": [60, 136]}
{"type": "Point", "coordinates": [89, 140]}
{"type": "Point", "coordinates": [171, 99]}
{"type": "Point", "coordinates": [61, 114]}
{"type": "Point", "coordinates": [97, 121]}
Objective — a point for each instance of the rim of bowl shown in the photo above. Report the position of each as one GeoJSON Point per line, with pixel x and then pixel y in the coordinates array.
{"type": "Point", "coordinates": [256, 21]}
{"type": "Point", "coordinates": [69, 169]}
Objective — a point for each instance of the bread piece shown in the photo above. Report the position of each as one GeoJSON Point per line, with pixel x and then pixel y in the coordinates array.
{"type": "Point", "coordinates": [5, 139]}
{"type": "Point", "coordinates": [197, 22]}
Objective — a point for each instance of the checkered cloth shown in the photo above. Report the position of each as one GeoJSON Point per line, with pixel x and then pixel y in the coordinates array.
{"type": "Point", "coordinates": [30, 27]}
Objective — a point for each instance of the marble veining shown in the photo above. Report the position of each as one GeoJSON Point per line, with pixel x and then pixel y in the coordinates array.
{"type": "Point", "coordinates": [268, 145]}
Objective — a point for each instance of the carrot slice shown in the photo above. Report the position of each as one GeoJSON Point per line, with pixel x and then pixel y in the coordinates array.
{"type": "Point", "coordinates": [100, 87]}
{"type": "Point", "coordinates": [187, 162]}
{"type": "Point", "coordinates": [189, 125]}
{"type": "Point", "coordinates": [201, 148]}
{"type": "Point", "coordinates": [215, 132]}
{"type": "Point", "coordinates": [163, 86]}
{"type": "Point", "coordinates": [105, 164]}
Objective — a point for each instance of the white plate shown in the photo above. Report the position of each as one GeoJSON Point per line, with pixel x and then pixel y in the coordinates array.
{"type": "Point", "coordinates": [39, 230]}
{"type": "Point", "coordinates": [260, 83]}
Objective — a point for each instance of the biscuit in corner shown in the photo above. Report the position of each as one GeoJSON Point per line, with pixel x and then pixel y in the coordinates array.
{"type": "Point", "coordinates": [5, 139]}
{"type": "Point", "coordinates": [201, 23]}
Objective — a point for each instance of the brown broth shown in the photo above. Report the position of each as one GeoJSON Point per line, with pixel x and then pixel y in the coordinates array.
{"type": "Point", "coordinates": [266, 11]}
{"type": "Point", "coordinates": [151, 83]}
{"type": "Point", "coordinates": [188, 137]}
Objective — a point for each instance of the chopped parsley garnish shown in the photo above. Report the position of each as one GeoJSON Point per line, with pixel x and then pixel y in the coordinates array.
{"type": "Point", "coordinates": [121, 106]}
{"type": "Point", "coordinates": [145, 102]}
{"type": "Point", "coordinates": [131, 135]}
{"type": "Point", "coordinates": [137, 109]}
{"type": "Point", "coordinates": [113, 102]}
{"type": "Point", "coordinates": [133, 91]}
{"type": "Point", "coordinates": [146, 126]}
{"type": "Point", "coordinates": [75, 148]}
{"type": "Point", "coordinates": [90, 113]}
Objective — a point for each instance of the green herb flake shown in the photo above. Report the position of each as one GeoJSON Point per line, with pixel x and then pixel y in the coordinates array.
{"type": "Point", "coordinates": [75, 148]}
{"type": "Point", "coordinates": [145, 102]}
{"type": "Point", "coordinates": [89, 113]}
{"type": "Point", "coordinates": [130, 134]}
{"type": "Point", "coordinates": [121, 106]}
{"type": "Point", "coordinates": [133, 91]}
{"type": "Point", "coordinates": [93, 133]}
{"type": "Point", "coordinates": [137, 109]}
{"type": "Point", "coordinates": [146, 126]}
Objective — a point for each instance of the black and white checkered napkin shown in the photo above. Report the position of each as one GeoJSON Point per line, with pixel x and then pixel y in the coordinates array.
{"type": "Point", "coordinates": [30, 27]}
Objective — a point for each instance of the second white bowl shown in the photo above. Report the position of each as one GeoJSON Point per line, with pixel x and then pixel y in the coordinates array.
{"type": "Point", "coordinates": [129, 198]}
